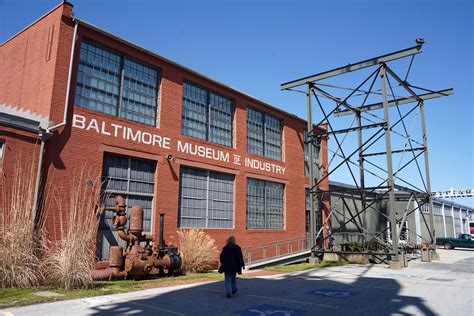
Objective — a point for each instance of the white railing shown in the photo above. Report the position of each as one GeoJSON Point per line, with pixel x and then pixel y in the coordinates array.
{"type": "Point", "coordinates": [275, 250]}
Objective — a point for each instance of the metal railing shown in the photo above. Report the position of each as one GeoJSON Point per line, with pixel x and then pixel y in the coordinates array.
{"type": "Point", "coordinates": [275, 250]}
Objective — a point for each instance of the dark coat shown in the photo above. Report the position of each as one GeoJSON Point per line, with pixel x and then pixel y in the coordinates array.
{"type": "Point", "coordinates": [232, 260]}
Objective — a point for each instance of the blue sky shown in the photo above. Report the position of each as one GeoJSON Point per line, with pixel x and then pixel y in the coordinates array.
{"type": "Point", "coordinates": [256, 45]}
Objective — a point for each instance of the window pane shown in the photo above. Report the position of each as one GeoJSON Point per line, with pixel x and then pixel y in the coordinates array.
{"type": "Point", "coordinates": [193, 197]}
{"type": "Point", "coordinates": [98, 79]}
{"type": "Point", "coordinates": [99, 82]}
{"type": "Point", "coordinates": [206, 115]}
{"type": "Point", "coordinates": [255, 132]}
{"type": "Point", "coordinates": [272, 137]}
{"type": "Point", "coordinates": [221, 200]}
{"type": "Point", "coordinates": [264, 204]}
{"type": "Point", "coordinates": [274, 205]}
{"type": "Point", "coordinates": [194, 112]}
{"type": "Point", "coordinates": [139, 101]}
{"type": "Point", "coordinates": [221, 116]}
{"type": "Point", "coordinates": [206, 199]}
{"type": "Point", "coordinates": [263, 134]}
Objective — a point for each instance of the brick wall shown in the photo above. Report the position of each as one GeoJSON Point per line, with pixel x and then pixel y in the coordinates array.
{"type": "Point", "coordinates": [72, 148]}
{"type": "Point", "coordinates": [28, 63]}
{"type": "Point", "coordinates": [20, 157]}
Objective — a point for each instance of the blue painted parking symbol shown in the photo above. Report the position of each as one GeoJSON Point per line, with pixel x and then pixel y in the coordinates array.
{"type": "Point", "coordinates": [332, 293]}
{"type": "Point", "coordinates": [265, 309]}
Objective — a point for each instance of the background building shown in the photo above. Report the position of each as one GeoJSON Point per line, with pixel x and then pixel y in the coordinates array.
{"type": "Point", "coordinates": [450, 219]}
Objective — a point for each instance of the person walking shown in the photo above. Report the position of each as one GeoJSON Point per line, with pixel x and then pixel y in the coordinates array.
{"type": "Point", "coordinates": [232, 262]}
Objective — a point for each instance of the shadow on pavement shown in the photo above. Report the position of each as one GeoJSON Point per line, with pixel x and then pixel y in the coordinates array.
{"type": "Point", "coordinates": [303, 294]}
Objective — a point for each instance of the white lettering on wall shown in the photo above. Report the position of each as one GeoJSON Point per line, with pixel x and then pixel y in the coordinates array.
{"type": "Point", "coordinates": [93, 125]}
{"type": "Point", "coordinates": [78, 121]}
{"type": "Point", "coordinates": [138, 136]}
{"type": "Point", "coordinates": [202, 151]}
{"type": "Point", "coordinates": [264, 166]}
{"type": "Point", "coordinates": [116, 130]}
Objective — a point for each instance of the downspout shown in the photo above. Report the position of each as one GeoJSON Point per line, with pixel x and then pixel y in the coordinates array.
{"type": "Point", "coordinates": [45, 134]}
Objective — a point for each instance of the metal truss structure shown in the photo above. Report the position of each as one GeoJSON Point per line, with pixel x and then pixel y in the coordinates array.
{"type": "Point", "coordinates": [367, 146]}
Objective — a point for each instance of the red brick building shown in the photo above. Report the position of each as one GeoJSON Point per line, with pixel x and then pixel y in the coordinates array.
{"type": "Point", "coordinates": [160, 134]}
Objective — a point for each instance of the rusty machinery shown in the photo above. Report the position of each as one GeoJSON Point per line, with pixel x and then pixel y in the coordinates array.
{"type": "Point", "coordinates": [137, 260]}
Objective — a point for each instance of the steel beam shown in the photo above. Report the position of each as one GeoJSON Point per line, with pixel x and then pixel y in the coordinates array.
{"type": "Point", "coordinates": [390, 181]}
{"type": "Point", "coordinates": [353, 67]}
{"type": "Point", "coordinates": [427, 174]}
{"type": "Point", "coordinates": [379, 105]}
{"type": "Point", "coordinates": [361, 169]}
{"type": "Point", "coordinates": [312, 221]}
{"type": "Point", "coordinates": [368, 190]}
{"type": "Point", "coordinates": [393, 152]}
{"type": "Point", "coordinates": [352, 129]}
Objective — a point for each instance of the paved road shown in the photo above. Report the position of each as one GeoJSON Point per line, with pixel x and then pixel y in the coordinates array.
{"type": "Point", "coordinates": [443, 287]}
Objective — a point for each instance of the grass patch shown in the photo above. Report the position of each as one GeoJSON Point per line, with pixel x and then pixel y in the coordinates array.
{"type": "Point", "coordinates": [305, 266]}
{"type": "Point", "coordinates": [16, 297]}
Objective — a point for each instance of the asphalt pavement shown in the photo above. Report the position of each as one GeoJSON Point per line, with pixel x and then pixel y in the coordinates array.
{"type": "Point", "coordinates": [444, 287]}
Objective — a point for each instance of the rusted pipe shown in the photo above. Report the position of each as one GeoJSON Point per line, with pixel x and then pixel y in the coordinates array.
{"type": "Point", "coordinates": [116, 257]}
{"type": "Point", "coordinates": [109, 274]}
{"type": "Point", "coordinates": [120, 206]}
{"type": "Point", "coordinates": [119, 221]}
{"type": "Point", "coordinates": [118, 274]}
{"type": "Point", "coordinates": [136, 220]}
{"type": "Point", "coordinates": [137, 260]}
{"type": "Point", "coordinates": [125, 236]}
{"type": "Point", "coordinates": [119, 202]}
{"type": "Point", "coordinates": [155, 271]}
{"type": "Point", "coordinates": [164, 262]}
{"type": "Point", "coordinates": [102, 275]}
{"type": "Point", "coordinates": [147, 238]}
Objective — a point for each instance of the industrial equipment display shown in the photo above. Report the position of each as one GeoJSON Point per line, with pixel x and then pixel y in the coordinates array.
{"type": "Point", "coordinates": [140, 258]}
{"type": "Point", "coordinates": [378, 119]}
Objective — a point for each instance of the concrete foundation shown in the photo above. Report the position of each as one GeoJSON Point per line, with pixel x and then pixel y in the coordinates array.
{"type": "Point", "coordinates": [396, 264]}
{"type": "Point", "coordinates": [425, 255]}
{"type": "Point", "coordinates": [434, 255]}
{"type": "Point", "coordinates": [313, 260]}
{"type": "Point", "coordinates": [404, 260]}
{"type": "Point", "coordinates": [351, 258]}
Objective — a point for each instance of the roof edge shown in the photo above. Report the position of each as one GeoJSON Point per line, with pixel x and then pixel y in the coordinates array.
{"type": "Point", "coordinates": [36, 21]}
{"type": "Point", "coordinates": [149, 52]}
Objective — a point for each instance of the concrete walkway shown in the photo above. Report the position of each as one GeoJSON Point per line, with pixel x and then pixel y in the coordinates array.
{"type": "Point", "coordinates": [444, 287]}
